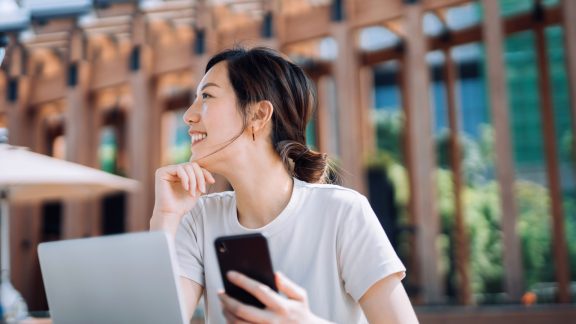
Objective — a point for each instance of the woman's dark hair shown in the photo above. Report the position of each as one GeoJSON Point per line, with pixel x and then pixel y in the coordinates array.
{"type": "Point", "coordinates": [262, 74]}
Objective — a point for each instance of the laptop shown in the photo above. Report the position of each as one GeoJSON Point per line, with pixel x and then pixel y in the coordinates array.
{"type": "Point", "coordinates": [127, 278]}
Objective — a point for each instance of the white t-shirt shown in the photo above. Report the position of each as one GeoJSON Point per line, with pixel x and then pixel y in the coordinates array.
{"type": "Point", "coordinates": [327, 240]}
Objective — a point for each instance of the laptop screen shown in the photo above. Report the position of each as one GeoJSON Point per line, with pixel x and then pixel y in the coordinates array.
{"type": "Point", "coordinates": [128, 278]}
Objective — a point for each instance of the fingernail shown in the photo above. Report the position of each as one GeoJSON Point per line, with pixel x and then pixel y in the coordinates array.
{"type": "Point", "coordinates": [232, 275]}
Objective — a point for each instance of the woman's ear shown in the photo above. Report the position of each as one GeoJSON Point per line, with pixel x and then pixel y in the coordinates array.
{"type": "Point", "coordinates": [262, 114]}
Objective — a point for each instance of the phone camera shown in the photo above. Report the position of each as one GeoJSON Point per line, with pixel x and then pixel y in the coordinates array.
{"type": "Point", "coordinates": [222, 247]}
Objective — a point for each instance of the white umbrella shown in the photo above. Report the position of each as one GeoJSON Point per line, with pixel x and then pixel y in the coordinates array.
{"type": "Point", "coordinates": [27, 176]}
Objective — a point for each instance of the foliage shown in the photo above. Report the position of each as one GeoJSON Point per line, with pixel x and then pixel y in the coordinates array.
{"type": "Point", "coordinates": [534, 228]}
{"type": "Point", "coordinates": [388, 128]}
{"type": "Point", "coordinates": [482, 215]}
{"type": "Point", "coordinates": [481, 201]}
{"type": "Point", "coordinates": [107, 151]}
{"type": "Point", "coordinates": [180, 153]}
{"type": "Point", "coordinates": [474, 166]}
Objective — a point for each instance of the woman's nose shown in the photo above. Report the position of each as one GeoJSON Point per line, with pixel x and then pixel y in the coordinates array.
{"type": "Point", "coordinates": [192, 114]}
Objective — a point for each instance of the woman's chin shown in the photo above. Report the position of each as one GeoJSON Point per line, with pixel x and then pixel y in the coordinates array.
{"type": "Point", "coordinates": [201, 158]}
{"type": "Point", "coordinates": [210, 159]}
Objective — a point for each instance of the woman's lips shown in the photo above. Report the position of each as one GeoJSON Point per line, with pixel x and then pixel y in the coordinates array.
{"type": "Point", "coordinates": [197, 137]}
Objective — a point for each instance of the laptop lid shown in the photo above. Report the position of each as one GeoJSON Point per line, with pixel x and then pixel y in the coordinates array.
{"type": "Point", "coordinates": [127, 278]}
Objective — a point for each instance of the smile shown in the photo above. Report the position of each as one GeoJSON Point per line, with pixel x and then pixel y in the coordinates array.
{"type": "Point", "coordinates": [197, 137]}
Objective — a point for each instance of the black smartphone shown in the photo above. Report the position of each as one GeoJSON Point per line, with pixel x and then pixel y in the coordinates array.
{"type": "Point", "coordinates": [249, 255]}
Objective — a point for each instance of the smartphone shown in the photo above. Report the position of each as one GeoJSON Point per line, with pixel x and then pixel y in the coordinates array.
{"type": "Point", "coordinates": [249, 255]}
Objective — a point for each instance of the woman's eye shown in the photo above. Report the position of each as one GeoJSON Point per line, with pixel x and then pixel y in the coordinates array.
{"type": "Point", "coordinates": [205, 96]}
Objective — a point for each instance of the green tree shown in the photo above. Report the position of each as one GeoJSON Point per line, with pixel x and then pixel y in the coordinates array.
{"type": "Point", "coordinates": [481, 201]}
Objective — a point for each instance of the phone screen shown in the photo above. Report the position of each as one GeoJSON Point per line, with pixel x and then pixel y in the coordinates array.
{"type": "Point", "coordinates": [249, 255]}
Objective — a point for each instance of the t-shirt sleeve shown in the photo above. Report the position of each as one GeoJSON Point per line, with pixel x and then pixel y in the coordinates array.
{"type": "Point", "coordinates": [189, 248]}
{"type": "Point", "coordinates": [365, 254]}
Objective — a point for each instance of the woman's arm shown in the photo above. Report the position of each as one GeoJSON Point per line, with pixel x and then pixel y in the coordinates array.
{"type": "Point", "coordinates": [387, 302]}
{"type": "Point", "coordinates": [177, 189]}
{"type": "Point", "coordinates": [191, 293]}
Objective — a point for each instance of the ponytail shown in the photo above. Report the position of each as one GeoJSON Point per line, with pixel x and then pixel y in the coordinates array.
{"type": "Point", "coordinates": [302, 162]}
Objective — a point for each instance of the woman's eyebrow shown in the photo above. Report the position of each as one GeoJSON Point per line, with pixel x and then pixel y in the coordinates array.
{"type": "Point", "coordinates": [209, 84]}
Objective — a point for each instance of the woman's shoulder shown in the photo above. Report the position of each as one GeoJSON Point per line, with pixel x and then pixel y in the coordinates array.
{"type": "Point", "coordinates": [331, 193]}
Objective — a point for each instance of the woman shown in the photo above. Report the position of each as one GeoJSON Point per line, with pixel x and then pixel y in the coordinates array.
{"type": "Point", "coordinates": [248, 124]}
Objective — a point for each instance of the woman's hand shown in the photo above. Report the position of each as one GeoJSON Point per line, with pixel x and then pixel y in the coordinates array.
{"type": "Point", "coordinates": [177, 188]}
{"type": "Point", "coordinates": [279, 309]}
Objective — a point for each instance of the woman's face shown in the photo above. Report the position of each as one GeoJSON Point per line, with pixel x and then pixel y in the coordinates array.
{"type": "Point", "coordinates": [213, 118]}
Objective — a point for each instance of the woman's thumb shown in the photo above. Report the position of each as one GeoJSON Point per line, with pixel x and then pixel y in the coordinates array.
{"type": "Point", "coordinates": [289, 288]}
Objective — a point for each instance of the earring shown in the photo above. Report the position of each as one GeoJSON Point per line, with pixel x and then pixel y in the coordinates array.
{"type": "Point", "coordinates": [253, 137]}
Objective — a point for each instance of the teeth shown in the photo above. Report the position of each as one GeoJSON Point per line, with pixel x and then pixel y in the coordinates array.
{"type": "Point", "coordinates": [197, 137]}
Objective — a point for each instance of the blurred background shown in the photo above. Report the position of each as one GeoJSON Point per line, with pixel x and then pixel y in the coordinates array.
{"type": "Point", "coordinates": [455, 118]}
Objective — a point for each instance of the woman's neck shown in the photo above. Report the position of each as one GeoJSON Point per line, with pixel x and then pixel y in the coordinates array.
{"type": "Point", "coordinates": [263, 189]}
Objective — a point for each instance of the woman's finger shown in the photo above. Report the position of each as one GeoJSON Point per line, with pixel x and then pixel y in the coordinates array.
{"type": "Point", "coordinates": [257, 289]}
{"type": "Point", "coordinates": [168, 173]}
{"type": "Point", "coordinates": [192, 178]}
{"type": "Point", "coordinates": [199, 177]}
{"type": "Point", "coordinates": [208, 176]}
{"type": "Point", "coordinates": [231, 318]}
{"type": "Point", "coordinates": [289, 288]}
{"type": "Point", "coordinates": [184, 178]}
{"type": "Point", "coordinates": [243, 311]}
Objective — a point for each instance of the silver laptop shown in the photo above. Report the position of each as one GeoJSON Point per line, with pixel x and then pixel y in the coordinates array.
{"type": "Point", "coordinates": [128, 278]}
